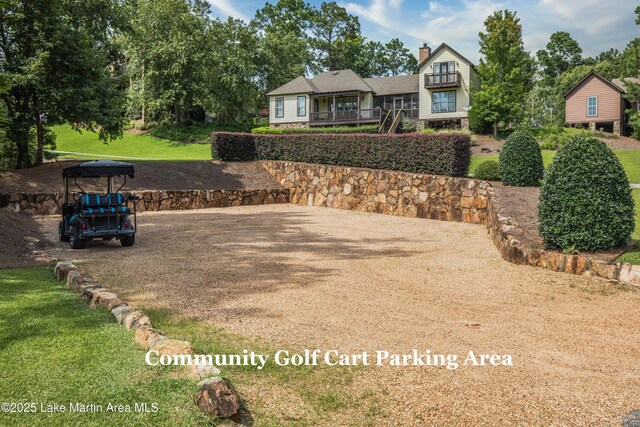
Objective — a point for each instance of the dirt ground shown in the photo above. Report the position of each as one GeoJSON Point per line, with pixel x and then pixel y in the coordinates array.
{"type": "Point", "coordinates": [485, 145]}
{"type": "Point", "coordinates": [20, 236]}
{"type": "Point", "coordinates": [207, 175]}
{"type": "Point", "coordinates": [331, 279]}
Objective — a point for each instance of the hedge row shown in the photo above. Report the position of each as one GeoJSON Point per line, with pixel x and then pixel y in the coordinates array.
{"type": "Point", "coordinates": [266, 130]}
{"type": "Point", "coordinates": [441, 154]}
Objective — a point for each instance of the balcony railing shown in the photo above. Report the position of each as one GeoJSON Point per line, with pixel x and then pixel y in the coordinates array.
{"type": "Point", "coordinates": [432, 81]}
{"type": "Point", "coordinates": [354, 116]}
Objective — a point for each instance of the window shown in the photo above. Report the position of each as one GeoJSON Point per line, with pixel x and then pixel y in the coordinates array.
{"type": "Point", "coordinates": [443, 102]}
{"type": "Point", "coordinates": [279, 107]}
{"type": "Point", "coordinates": [592, 106]}
{"type": "Point", "coordinates": [302, 106]}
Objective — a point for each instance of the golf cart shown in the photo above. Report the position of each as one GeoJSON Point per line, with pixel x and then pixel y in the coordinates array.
{"type": "Point", "coordinates": [88, 215]}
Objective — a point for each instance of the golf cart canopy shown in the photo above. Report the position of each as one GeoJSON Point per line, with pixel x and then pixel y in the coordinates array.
{"type": "Point", "coordinates": [99, 168]}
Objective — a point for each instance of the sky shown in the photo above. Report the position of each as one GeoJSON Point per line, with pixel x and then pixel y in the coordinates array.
{"type": "Point", "coordinates": [596, 24]}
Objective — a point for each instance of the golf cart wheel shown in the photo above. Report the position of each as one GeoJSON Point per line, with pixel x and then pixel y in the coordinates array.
{"type": "Point", "coordinates": [75, 241]}
{"type": "Point", "coordinates": [128, 241]}
{"type": "Point", "coordinates": [63, 237]}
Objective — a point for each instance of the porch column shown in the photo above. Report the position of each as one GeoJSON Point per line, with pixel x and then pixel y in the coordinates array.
{"type": "Point", "coordinates": [358, 112]}
{"type": "Point", "coordinates": [333, 113]}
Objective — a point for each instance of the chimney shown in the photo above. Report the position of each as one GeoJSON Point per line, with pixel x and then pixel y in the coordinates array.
{"type": "Point", "coordinates": [425, 51]}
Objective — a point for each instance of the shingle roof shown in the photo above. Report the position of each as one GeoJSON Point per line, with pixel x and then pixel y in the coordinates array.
{"type": "Point", "coordinates": [347, 81]}
{"type": "Point", "coordinates": [620, 82]}
{"type": "Point", "coordinates": [298, 85]}
{"type": "Point", "coordinates": [394, 85]}
{"type": "Point", "coordinates": [438, 49]}
{"type": "Point", "coordinates": [339, 81]}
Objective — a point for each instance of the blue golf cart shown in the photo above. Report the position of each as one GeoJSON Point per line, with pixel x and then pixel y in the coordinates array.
{"type": "Point", "coordinates": [90, 215]}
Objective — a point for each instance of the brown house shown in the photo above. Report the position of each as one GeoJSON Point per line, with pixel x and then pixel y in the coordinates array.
{"type": "Point", "coordinates": [598, 103]}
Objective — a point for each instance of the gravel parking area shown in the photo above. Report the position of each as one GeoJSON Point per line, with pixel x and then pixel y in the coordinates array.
{"type": "Point", "coordinates": [331, 279]}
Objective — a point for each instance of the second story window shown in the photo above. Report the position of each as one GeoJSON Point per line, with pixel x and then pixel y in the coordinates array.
{"type": "Point", "coordinates": [592, 106]}
{"type": "Point", "coordinates": [279, 107]}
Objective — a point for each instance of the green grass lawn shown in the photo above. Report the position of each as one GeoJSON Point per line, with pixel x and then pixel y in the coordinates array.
{"type": "Point", "coordinates": [139, 146]}
{"type": "Point", "coordinates": [630, 160]}
{"type": "Point", "coordinates": [53, 349]}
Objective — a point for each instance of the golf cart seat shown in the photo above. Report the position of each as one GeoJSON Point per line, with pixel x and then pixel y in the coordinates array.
{"type": "Point", "coordinates": [103, 204]}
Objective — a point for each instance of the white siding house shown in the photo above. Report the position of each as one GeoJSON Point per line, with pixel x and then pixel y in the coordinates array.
{"type": "Point", "coordinates": [439, 95]}
{"type": "Point", "coordinates": [445, 87]}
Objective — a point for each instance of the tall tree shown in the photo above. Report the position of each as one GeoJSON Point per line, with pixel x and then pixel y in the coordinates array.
{"type": "Point", "coordinates": [505, 71]}
{"type": "Point", "coordinates": [167, 53]}
{"type": "Point", "coordinates": [370, 60]}
{"type": "Point", "coordinates": [561, 54]}
{"type": "Point", "coordinates": [232, 70]}
{"type": "Point", "coordinates": [283, 47]}
{"type": "Point", "coordinates": [58, 58]}
{"type": "Point", "coordinates": [398, 59]}
{"type": "Point", "coordinates": [631, 68]}
{"type": "Point", "coordinates": [335, 37]}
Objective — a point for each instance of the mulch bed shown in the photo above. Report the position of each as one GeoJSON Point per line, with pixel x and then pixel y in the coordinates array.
{"type": "Point", "coordinates": [521, 205]}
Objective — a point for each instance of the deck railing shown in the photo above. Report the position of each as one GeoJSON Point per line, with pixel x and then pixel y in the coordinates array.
{"type": "Point", "coordinates": [442, 80]}
{"type": "Point", "coordinates": [369, 114]}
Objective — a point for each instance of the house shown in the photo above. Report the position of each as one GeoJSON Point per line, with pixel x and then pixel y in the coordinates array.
{"type": "Point", "coordinates": [598, 103]}
{"type": "Point", "coordinates": [439, 95]}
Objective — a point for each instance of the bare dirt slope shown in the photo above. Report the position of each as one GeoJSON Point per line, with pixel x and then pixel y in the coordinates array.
{"type": "Point", "coordinates": [331, 279]}
{"type": "Point", "coordinates": [20, 236]}
{"type": "Point", "coordinates": [206, 175]}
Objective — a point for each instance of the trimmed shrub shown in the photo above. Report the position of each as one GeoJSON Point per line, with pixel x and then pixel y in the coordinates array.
{"type": "Point", "coordinates": [442, 154]}
{"type": "Point", "coordinates": [488, 170]}
{"type": "Point", "coordinates": [266, 130]}
{"type": "Point", "coordinates": [233, 146]}
{"type": "Point", "coordinates": [585, 201]}
{"type": "Point", "coordinates": [521, 160]}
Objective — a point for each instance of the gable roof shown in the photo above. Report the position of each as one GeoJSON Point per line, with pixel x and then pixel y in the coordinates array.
{"type": "Point", "coordinates": [327, 82]}
{"type": "Point", "coordinates": [442, 47]}
{"type": "Point", "coordinates": [598, 76]}
{"type": "Point", "coordinates": [298, 85]}
{"type": "Point", "coordinates": [394, 85]}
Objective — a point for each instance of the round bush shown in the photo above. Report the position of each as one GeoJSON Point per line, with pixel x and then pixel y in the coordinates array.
{"type": "Point", "coordinates": [585, 200]}
{"type": "Point", "coordinates": [521, 161]}
{"type": "Point", "coordinates": [488, 170]}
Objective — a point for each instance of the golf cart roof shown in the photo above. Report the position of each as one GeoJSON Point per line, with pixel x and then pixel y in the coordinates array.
{"type": "Point", "coordinates": [98, 168]}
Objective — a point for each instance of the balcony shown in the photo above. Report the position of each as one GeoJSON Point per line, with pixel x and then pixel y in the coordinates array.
{"type": "Point", "coordinates": [372, 115]}
{"type": "Point", "coordinates": [439, 81]}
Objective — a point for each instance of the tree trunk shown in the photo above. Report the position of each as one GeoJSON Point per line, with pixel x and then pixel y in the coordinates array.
{"type": "Point", "coordinates": [22, 151]}
{"type": "Point", "coordinates": [39, 131]}
{"type": "Point", "coordinates": [495, 128]}
{"type": "Point", "coordinates": [144, 115]}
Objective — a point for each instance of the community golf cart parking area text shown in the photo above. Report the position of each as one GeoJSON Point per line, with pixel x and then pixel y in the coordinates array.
{"type": "Point", "coordinates": [332, 358]}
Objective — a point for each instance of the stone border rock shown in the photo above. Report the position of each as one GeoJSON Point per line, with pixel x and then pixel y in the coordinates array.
{"type": "Point", "coordinates": [215, 396]}
{"type": "Point", "coordinates": [156, 200]}
{"type": "Point", "coordinates": [500, 228]}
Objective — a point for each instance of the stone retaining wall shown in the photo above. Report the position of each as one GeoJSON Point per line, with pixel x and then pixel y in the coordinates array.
{"type": "Point", "coordinates": [383, 191]}
{"type": "Point", "coordinates": [50, 203]}
{"type": "Point", "coordinates": [500, 229]}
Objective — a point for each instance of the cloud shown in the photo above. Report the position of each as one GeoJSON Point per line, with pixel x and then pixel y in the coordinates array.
{"type": "Point", "coordinates": [595, 24]}
{"type": "Point", "coordinates": [380, 12]}
{"type": "Point", "coordinates": [227, 8]}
